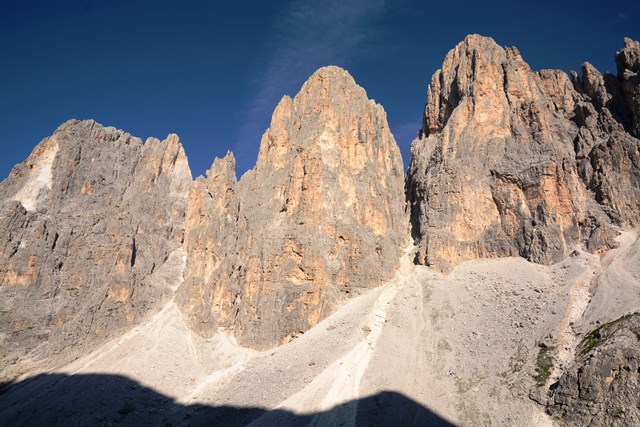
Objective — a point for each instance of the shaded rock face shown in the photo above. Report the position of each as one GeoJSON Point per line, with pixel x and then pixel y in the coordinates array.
{"type": "Point", "coordinates": [628, 63]}
{"type": "Point", "coordinates": [91, 227]}
{"type": "Point", "coordinates": [607, 148]}
{"type": "Point", "coordinates": [510, 162]}
{"type": "Point", "coordinates": [601, 388]}
{"type": "Point", "coordinates": [319, 217]}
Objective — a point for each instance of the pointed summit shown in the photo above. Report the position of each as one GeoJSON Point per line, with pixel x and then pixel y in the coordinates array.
{"type": "Point", "coordinates": [331, 83]}
{"type": "Point", "coordinates": [319, 217]}
{"type": "Point", "coordinates": [493, 172]}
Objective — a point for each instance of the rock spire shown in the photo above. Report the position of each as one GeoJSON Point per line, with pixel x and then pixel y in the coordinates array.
{"type": "Point", "coordinates": [511, 162]}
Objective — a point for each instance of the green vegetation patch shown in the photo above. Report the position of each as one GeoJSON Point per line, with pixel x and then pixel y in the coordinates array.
{"type": "Point", "coordinates": [600, 335]}
{"type": "Point", "coordinates": [544, 365]}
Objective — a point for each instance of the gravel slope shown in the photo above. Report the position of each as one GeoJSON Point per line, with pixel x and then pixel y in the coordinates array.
{"type": "Point", "coordinates": [463, 348]}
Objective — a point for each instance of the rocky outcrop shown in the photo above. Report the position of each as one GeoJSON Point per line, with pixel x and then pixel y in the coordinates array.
{"type": "Point", "coordinates": [492, 173]}
{"type": "Point", "coordinates": [601, 388]}
{"type": "Point", "coordinates": [628, 63]}
{"type": "Point", "coordinates": [510, 162]}
{"type": "Point", "coordinates": [607, 153]}
{"type": "Point", "coordinates": [214, 235]}
{"type": "Point", "coordinates": [91, 227]}
{"type": "Point", "coordinates": [319, 217]}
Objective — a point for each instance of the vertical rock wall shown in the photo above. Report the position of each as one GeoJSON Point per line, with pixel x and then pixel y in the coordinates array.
{"type": "Point", "coordinates": [515, 163]}
{"type": "Point", "coordinates": [320, 217]}
{"type": "Point", "coordinates": [91, 227]}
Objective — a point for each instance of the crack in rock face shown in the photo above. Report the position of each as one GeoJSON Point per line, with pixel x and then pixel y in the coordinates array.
{"type": "Point", "coordinates": [508, 159]}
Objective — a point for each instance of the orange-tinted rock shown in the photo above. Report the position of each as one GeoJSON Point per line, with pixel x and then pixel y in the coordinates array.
{"type": "Point", "coordinates": [319, 217]}
{"type": "Point", "coordinates": [493, 172]}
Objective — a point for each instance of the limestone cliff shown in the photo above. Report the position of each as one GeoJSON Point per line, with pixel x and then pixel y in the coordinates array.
{"type": "Point", "coordinates": [90, 224]}
{"type": "Point", "coordinates": [600, 388]}
{"type": "Point", "coordinates": [507, 159]}
{"type": "Point", "coordinates": [628, 63]}
{"type": "Point", "coordinates": [214, 234]}
{"type": "Point", "coordinates": [319, 217]}
{"type": "Point", "coordinates": [606, 145]}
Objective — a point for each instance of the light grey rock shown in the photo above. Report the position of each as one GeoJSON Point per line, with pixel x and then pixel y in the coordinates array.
{"type": "Point", "coordinates": [601, 387]}
{"type": "Point", "coordinates": [628, 62]}
{"type": "Point", "coordinates": [607, 152]}
{"type": "Point", "coordinates": [85, 223]}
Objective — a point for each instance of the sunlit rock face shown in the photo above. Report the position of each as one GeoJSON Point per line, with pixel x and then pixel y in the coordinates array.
{"type": "Point", "coordinates": [91, 227]}
{"type": "Point", "coordinates": [510, 162]}
{"type": "Point", "coordinates": [320, 217]}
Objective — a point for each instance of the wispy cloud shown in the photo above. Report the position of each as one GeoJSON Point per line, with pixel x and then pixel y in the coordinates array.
{"type": "Point", "coordinates": [619, 19]}
{"type": "Point", "coordinates": [306, 35]}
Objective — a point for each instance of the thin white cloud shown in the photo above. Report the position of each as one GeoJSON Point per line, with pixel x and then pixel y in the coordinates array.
{"type": "Point", "coordinates": [622, 17]}
{"type": "Point", "coordinates": [307, 35]}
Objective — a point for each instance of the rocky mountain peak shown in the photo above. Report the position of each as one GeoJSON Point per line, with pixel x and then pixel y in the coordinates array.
{"type": "Point", "coordinates": [628, 58]}
{"type": "Point", "coordinates": [628, 63]}
{"type": "Point", "coordinates": [91, 227]}
{"type": "Point", "coordinates": [320, 217]}
{"type": "Point", "coordinates": [328, 85]}
{"type": "Point", "coordinates": [223, 169]}
{"type": "Point", "coordinates": [326, 103]}
{"type": "Point", "coordinates": [480, 73]}
{"type": "Point", "coordinates": [495, 170]}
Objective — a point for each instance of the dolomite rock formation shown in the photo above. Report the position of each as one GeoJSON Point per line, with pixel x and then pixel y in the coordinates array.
{"type": "Point", "coordinates": [91, 227]}
{"type": "Point", "coordinates": [214, 234]}
{"type": "Point", "coordinates": [628, 63]}
{"type": "Point", "coordinates": [606, 145]}
{"type": "Point", "coordinates": [601, 387]}
{"type": "Point", "coordinates": [510, 162]}
{"type": "Point", "coordinates": [319, 217]}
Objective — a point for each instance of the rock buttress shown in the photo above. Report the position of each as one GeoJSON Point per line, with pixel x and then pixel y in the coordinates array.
{"type": "Point", "coordinates": [90, 224]}
{"type": "Point", "coordinates": [320, 217]}
{"type": "Point", "coordinates": [508, 160]}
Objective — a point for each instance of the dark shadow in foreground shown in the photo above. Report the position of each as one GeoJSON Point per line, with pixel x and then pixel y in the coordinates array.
{"type": "Point", "coordinates": [95, 399]}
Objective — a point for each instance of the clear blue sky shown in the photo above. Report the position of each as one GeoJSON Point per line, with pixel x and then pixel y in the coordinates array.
{"type": "Point", "coordinates": [213, 71]}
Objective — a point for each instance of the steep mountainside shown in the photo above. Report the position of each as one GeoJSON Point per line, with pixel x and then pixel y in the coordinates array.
{"type": "Point", "coordinates": [510, 162]}
{"type": "Point", "coordinates": [606, 146]}
{"type": "Point", "coordinates": [320, 217]}
{"type": "Point", "coordinates": [290, 296]}
{"type": "Point", "coordinates": [90, 224]}
{"type": "Point", "coordinates": [601, 387]}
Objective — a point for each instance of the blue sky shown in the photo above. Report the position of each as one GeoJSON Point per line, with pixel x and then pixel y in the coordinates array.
{"type": "Point", "coordinates": [213, 71]}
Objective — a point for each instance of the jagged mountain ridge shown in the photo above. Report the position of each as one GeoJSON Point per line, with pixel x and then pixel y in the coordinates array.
{"type": "Point", "coordinates": [320, 217]}
{"type": "Point", "coordinates": [507, 159]}
{"type": "Point", "coordinates": [90, 222]}
{"type": "Point", "coordinates": [509, 162]}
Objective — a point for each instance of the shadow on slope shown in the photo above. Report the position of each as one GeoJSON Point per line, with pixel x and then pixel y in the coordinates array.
{"type": "Point", "coordinates": [97, 399]}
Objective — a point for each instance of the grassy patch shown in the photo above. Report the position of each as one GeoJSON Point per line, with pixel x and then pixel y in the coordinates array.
{"type": "Point", "coordinates": [544, 365]}
{"type": "Point", "coordinates": [600, 335]}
